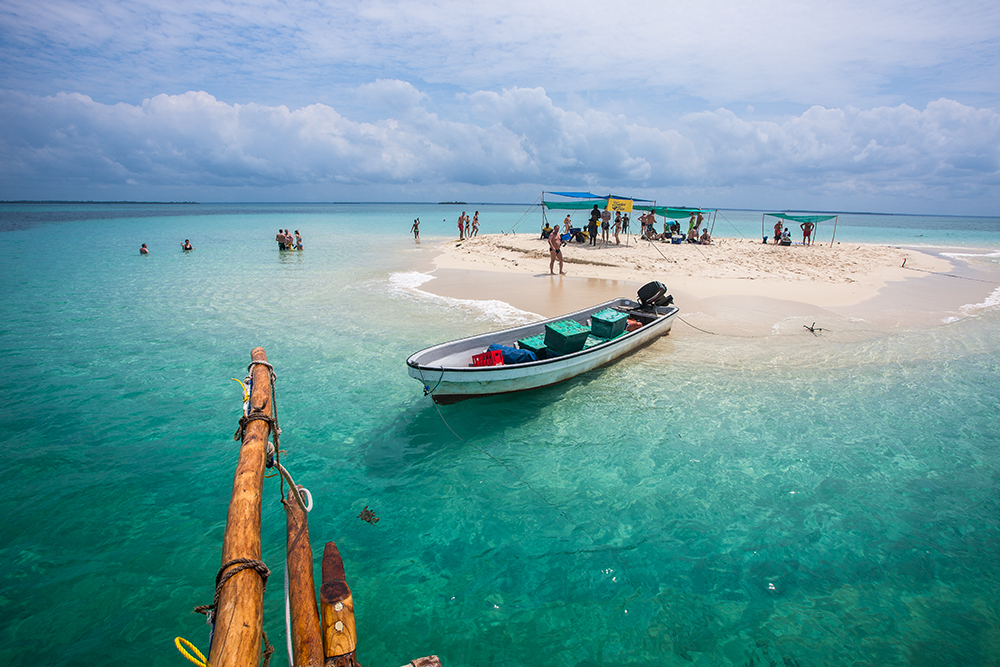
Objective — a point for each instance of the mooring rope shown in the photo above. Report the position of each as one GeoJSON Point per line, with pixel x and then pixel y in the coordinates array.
{"type": "Point", "coordinates": [950, 275]}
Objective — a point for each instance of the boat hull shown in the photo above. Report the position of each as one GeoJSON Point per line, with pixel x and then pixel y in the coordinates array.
{"type": "Point", "coordinates": [447, 376]}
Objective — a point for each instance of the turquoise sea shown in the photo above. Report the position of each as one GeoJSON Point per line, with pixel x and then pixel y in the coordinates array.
{"type": "Point", "coordinates": [712, 500]}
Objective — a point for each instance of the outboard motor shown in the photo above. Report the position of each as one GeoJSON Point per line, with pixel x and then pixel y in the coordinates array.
{"type": "Point", "coordinates": [654, 294]}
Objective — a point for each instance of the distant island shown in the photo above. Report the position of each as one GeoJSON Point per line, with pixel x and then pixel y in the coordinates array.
{"type": "Point", "coordinates": [88, 201]}
{"type": "Point", "coordinates": [453, 203]}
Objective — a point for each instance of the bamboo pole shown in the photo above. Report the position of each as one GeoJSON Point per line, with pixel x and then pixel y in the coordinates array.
{"type": "Point", "coordinates": [340, 636]}
{"type": "Point", "coordinates": [307, 641]}
{"type": "Point", "coordinates": [239, 615]}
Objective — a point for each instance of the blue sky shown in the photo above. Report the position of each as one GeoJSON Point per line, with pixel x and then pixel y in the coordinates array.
{"type": "Point", "coordinates": [887, 106]}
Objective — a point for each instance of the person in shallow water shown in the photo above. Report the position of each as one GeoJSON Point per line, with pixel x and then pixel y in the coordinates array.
{"type": "Point", "coordinates": [187, 245]}
{"type": "Point", "coordinates": [280, 238]}
{"type": "Point", "coordinates": [298, 240]}
{"type": "Point", "coordinates": [143, 250]}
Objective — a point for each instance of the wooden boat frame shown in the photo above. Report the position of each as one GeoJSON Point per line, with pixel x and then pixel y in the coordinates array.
{"type": "Point", "coordinates": [448, 376]}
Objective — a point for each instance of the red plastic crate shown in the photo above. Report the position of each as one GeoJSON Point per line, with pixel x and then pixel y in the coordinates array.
{"type": "Point", "coordinates": [491, 358]}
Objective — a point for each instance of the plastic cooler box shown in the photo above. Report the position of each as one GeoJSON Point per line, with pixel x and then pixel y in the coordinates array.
{"type": "Point", "coordinates": [608, 323]}
{"type": "Point", "coordinates": [565, 337]}
{"type": "Point", "coordinates": [536, 344]}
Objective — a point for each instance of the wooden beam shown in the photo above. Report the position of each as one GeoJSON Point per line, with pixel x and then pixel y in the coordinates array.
{"type": "Point", "coordinates": [340, 638]}
{"type": "Point", "coordinates": [307, 640]}
{"type": "Point", "coordinates": [239, 615]}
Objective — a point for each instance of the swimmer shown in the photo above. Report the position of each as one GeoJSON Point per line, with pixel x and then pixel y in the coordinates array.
{"type": "Point", "coordinates": [143, 250]}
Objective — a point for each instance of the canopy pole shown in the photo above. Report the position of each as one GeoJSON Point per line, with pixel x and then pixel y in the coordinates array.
{"type": "Point", "coordinates": [544, 217]}
{"type": "Point", "coordinates": [714, 213]}
{"type": "Point", "coordinates": [762, 216]}
{"type": "Point", "coordinates": [834, 230]}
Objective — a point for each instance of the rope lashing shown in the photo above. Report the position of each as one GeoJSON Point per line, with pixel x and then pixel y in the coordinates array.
{"type": "Point", "coordinates": [255, 417]}
{"type": "Point", "coordinates": [223, 576]}
{"type": "Point", "coordinates": [256, 413]}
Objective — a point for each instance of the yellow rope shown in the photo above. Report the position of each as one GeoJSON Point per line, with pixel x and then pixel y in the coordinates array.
{"type": "Point", "coordinates": [246, 392]}
{"type": "Point", "coordinates": [200, 661]}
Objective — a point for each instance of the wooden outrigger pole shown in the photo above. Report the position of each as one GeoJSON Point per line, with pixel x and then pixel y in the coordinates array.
{"type": "Point", "coordinates": [327, 641]}
{"type": "Point", "coordinates": [239, 613]}
{"type": "Point", "coordinates": [307, 641]}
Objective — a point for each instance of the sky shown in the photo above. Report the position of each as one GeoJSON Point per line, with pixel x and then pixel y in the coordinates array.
{"type": "Point", "coordinates": [844, 105]}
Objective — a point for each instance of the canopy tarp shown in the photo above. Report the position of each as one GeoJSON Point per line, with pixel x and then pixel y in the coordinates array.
{"type": "Point", "coordinates": [577, 195]}
{"type": "Point", "coordinates": [674, 212]}
{"type": "Point", "coordinates": [574, 205]}
{"type": "Point", "coordinates": [802, 218]}
{"type": "Point", "coordinates": [600, 200]}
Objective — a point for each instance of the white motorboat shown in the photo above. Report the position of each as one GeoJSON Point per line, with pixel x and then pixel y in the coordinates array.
{"type": "Point", "coordinates": [449, 372]}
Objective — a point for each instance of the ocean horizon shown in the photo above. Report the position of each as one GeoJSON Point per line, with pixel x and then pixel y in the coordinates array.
{"type": "Point", "coordinates": [785, 499]}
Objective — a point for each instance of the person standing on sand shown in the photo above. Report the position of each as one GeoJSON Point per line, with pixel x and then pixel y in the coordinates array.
{"type": "Point", "coordinates": [461, 226]}
{"type": "Point", "coordinates": [624, 225]}
{"type": "Point", "coordinates": [467, 235]}
{"type": "Point", "coordinates": [555, 250]}
{"type": "Point", "coordinates": [595, 216]}
{"type": "Point", "coordinates": [416, 230]}
{"type": "Point", "coordinates": [475, 224]}
{"type": "Point", "coordinates": [807, 230]}
{"type": "Point", "coordinates": [618, 226]}
{"type": "Point", "coordinates": [777, 232]}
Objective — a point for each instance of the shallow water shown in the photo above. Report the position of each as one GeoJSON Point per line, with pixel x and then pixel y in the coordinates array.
{"type": "Point", "coordinates": [712, 500]}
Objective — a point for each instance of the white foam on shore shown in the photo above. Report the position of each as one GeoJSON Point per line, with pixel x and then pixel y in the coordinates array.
{"type": "Point", "coordinates": [982, 255]}
{"type": "Point", "coordinates": [974, 309]}
{"type": "Point", "coordinates": [409, 282]}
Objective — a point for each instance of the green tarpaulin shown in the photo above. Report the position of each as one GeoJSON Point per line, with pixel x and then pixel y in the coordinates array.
{"type": "Point", "coordinates": [666, 211]}
{"type": "Point", "coordinates": [576, 205]}
{"type": "Point", "coordinates": [674, 213]}
{"type": "Point", "coordinates": [802, 218]}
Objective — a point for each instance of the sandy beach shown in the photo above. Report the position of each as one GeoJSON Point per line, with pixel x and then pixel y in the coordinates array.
{"type": "Point", "coordinates": [738, 285]}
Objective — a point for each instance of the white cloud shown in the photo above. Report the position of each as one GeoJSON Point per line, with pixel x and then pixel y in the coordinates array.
{"type": "Point", "coordinates": [513, 137]}
{"type": "Point", "coordinates": [833, 53]}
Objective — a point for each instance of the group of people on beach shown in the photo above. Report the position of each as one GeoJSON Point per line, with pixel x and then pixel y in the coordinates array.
{"type": "Point", "coordinates": [286, 242]}
{"type": "Point", "coordinates": [672, 232]}
{"type": "Point", "coordinates": [467, 228]}
{"type": "Point", "coordinates": [602, 220]}
{"type": "Point", "coordinates": [783, 237]}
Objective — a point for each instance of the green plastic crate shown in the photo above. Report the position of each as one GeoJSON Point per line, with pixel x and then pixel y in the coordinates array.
{"type": "Point", "coordinates": [608, 323]}
{"type": "Point", "coordinates": [565, 337]}
{"type": "Point", "coordinates": [536, 344]}
{"type": "Point", "coordinates": [593, 340]}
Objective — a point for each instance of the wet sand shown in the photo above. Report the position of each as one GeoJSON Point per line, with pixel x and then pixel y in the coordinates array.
{"type": "Point", "coordinates": [733, 286]}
